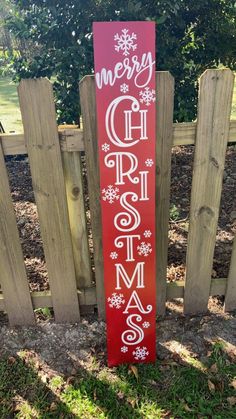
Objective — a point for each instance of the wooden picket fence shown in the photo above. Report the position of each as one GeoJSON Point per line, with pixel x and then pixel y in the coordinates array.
{"type": "Point", "coordinates": [55, 163]}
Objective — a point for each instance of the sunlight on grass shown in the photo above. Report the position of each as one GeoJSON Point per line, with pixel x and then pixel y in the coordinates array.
{"type": "Point", "coordinates": [190, 389]}
{"type": "Point", "coordinates": [10, 115]}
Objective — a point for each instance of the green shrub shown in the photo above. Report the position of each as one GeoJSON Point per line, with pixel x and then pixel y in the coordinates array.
{"type": "Point", "coordinates": [191, 36]}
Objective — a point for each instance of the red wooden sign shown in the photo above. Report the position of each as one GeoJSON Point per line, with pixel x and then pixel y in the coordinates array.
{"type": "Point", "coordinates": [125, 93]}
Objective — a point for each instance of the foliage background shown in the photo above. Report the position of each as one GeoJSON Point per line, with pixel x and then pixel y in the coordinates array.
{"type": "Point", "coordinates": [53, 38]}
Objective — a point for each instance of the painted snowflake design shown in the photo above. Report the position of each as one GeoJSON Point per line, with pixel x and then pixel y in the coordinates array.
{"type": "Point", "coordinates": [105, 147]}
{"type": "Point", "coordinates": [147, 96]}
{"type": "Point", "coordinates": [116, 300]}
{"type": "Point", "coordinates": [146, 325]}
{"type": "Point", "coordinates": [125, 42]}
{"type": "Point", "coordinates": [140, 353]}
{"type": "Point", "coordinates": [124, 88]}
{"type": "Point", "coordinates": [149, 162]}
{"type": "Point", "coordinates": [110, 194]}
{"type": "Point", "coordinates": [144, 249]}
{"type": "Point", "coordinates": [113, 255]}
{"type": "Point", "coordinates": [124, 349]}
{"type": "Point", "coordinates": [147, 234]}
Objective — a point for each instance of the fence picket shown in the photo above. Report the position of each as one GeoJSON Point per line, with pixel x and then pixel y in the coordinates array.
{"type": "Point", "coordinates": [12, 273]}
{"type": "Point", "coordinates": [88, 108]}
{"type": "Point", "coordinates": [41, 134]}
{"type": "Point", "coordinates": [230, 297]}
{"type": "Point", "coordinates": [215, 98]}
{"type": "Point", "coordinates": [79, 235]}
{"type": "Point", "coordinates": [165, 103]}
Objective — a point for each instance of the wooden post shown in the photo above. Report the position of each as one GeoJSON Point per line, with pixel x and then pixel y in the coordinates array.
{"type": "Point", "coordinates": [12, 268]}
{"type": "Point", "coordinates": [214, 107]}
{"type": "Point", "coordinates": [75, 200]}
{"type": "Point", "coordinates": [41, 135]}
{"type": "Point", "coordinates": [230, 297]}
{"type": "Point", "coordinates": [88, 108]}
{"type": "Point", "coordinates": [165, 104]}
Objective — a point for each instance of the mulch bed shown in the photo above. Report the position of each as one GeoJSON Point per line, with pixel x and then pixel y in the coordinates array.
{"type": "Point", "coordinates": [182, 162]}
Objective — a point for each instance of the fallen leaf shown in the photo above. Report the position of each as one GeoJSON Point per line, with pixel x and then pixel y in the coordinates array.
{"type": "Point", "coordinates": [166, 414]}
{"type": "Point", "coordinates": [231, 400]}
{"type": "Point", "coordinates": [233, 383]}
{"type": "Point", "coordinates": [214, 368]}
{"type": "Point", "coordinates": [134, 370]}
{"type": "Point", "coordinates": [53, 407]}
{"type": "Point", "coordinates": [120, 395]}
{"type": "Point", "coordinates": [11, 360]}
{"type": "Point", "coordinates": [44, 379]}
{"type": "Point", "coordinates": [70, 380]}
{"type": "Point", "coordinates": [187, 408]}
{"type": "Point", "coordinates": [95, 395]}
{"type": "Point", "coordinates": [131, 401]}
{"type": "Point", "coordinates": [211, 386]}
{"type": "Point", "coordinates": [152, 382]}
{"type": "Point", "coordinates": [220, 385]}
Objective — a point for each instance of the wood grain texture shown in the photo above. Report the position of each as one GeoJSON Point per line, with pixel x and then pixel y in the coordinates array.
{"type": "Point", "coordinates": [230, 297]}
{"type": "Point", "coordinates": [87, 298]}
{"type": "Point", "coordinates": [77, 216]}
{"type": "Point", "coordinates": [12, 272]}
{"type": "Point", "coordinates": [164, 142]}
{"type": "Point", "coordinates": [88, 108]}
{"type": "Point", "coordinates": [41, 135]}
{"type": "Point", "coordinates": [71, 140]}
{"type": "Point", "coordinates": [215, 98]}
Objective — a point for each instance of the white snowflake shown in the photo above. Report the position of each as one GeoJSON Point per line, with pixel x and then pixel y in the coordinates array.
{"type": "Point", "coordinates": [124, 88]}
{"type": "Point", "coordinates": [147, 96]}
{"type": "Point", "coordinates": [113, 255]}
{"type": "Point", "coordinates": [147, 233]}
{"type": "Point", "coordinates": [110, 194]}
{"type": "Point", "coordinates": [105, 147]}
{"type": "Point", "coordinates": [149, 162]}
{"type": "Point", "coordinates": [124, 349]}
{"type": "Point", "coordinates": [146, 325]}
{"type": "Point", "coordinates": [116, 300]}
{"type": "Point", "coordinates": [144, 249]}
{"type": "Point", "coordinates": [125, 42]}
{"type": "Point", "coordinates": [140, 353]}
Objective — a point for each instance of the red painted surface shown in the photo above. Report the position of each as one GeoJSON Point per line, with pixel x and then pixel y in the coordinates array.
{"type": "Point", "coordinates": [125, 94]}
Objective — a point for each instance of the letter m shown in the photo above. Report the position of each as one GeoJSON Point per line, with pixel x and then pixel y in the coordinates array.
{"type": "Point", "coordinates": [122, 274]}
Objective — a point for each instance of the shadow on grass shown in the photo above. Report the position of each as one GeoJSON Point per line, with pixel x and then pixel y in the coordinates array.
{"type": "Point", "coordinates": [171, 388]}
{"type": "Point", "coordinates": [23, 393]}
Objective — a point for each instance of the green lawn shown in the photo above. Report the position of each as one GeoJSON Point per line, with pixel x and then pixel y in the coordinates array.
{"type": "Point", "coordinates": [10, 115]}
{"type": "Point", "coordinates": [168, 389]}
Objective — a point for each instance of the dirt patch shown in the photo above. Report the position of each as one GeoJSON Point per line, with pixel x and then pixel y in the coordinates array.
{"type": "Point", "coordinates": [182, 163]}
{"type": "Point", "coordinates": [63, 347]}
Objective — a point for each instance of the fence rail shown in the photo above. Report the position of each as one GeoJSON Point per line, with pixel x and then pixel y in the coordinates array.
{"type": "Point", "coordinates": [55, 163]}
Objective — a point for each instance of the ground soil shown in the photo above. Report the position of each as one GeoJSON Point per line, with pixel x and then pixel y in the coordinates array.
{"type": "Point", "coordinates": [182, 162]}
{"type": "Point", "coordinates": [61, 349]}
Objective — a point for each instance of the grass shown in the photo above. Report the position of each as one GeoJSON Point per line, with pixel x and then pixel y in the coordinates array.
{"type": "Point", "coordinates": [189, 389]}
{"type": "Point", "coordinates": [10, 115]}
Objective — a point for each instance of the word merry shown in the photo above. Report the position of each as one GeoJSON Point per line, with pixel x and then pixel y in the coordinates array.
{"type": "Point", "coordinates": [128, 67]}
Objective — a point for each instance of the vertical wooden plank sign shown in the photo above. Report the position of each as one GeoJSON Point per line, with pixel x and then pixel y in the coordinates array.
{"type": "Point", "coordinates": [125, 95]}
